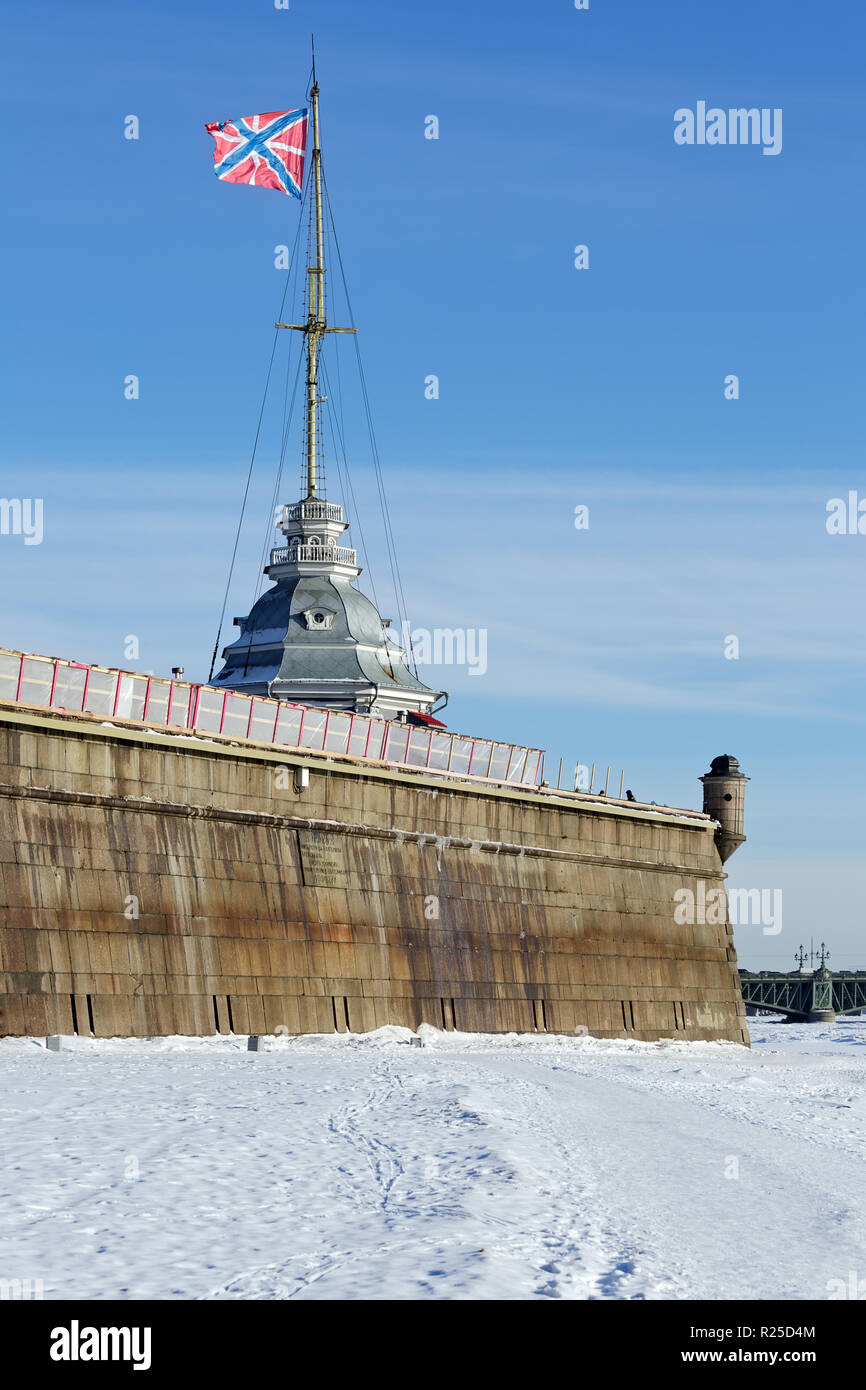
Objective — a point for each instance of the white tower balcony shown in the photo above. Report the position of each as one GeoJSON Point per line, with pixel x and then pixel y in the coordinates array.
{"type": "Point", "coordinates": [312, 529]}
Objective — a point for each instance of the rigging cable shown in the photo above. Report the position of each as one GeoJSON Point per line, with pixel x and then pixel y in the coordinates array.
{"type": "Point", "coordinates": [252, 459]}
{"type": "Point", "coordinates": [340, 448]}
{"type": "Point", "coordinates": [275, 494]}
{"type": "Point", "coordinates": [386, 518]}
{"type": "Point", "coordinates": [341, 471]}
{"type": "Point", "coordinates": [288, 416]}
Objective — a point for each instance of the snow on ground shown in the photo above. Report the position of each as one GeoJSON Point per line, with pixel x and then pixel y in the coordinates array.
{"type": "Point", "coordinates": [474, 1167]}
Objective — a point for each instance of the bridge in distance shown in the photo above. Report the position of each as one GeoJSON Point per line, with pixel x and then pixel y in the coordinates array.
{"type": "Point", "coordinates": [812, 996]}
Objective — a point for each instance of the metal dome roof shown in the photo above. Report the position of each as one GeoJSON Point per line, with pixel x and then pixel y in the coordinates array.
{"type": "Point", "coordinates": [313, 637]}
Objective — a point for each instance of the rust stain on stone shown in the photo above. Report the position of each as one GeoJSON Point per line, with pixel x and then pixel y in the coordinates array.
{"type": "Point", "coordinates": [358, 908]}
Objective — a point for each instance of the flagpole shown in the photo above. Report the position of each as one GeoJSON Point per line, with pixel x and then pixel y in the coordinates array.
{"type": "Point", "coordinates": [316, 299]}
{"type": "Point", "coordinates": [316, 325]}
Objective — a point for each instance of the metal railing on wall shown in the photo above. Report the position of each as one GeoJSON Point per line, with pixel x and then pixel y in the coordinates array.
{"type": "Point", "coordinates": [173, 704]}
{"type": "Point", "coordinates": [582, 778]}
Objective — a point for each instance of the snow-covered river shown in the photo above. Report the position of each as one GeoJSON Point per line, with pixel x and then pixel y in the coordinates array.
{"type": "Point", "coordinates": [472, 1167]}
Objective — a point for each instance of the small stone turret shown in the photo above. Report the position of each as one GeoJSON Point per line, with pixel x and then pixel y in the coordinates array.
{"type": "Point", "coordinates": [724, 800]}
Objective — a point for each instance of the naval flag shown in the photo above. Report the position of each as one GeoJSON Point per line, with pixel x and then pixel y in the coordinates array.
{"type": "Point", "coordinates": [267, 150]}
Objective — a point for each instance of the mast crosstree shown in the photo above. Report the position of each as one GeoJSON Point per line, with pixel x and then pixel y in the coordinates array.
{"type": "Point", "coordinates": [316, 325]}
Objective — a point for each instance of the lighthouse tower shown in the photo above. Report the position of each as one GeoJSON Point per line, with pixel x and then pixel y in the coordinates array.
{"type": "Point", "coordinates": [314, 637]}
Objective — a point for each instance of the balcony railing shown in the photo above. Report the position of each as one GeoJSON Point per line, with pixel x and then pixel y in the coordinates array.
{"type": "Point", "coordinates": [110, 694]}
{"type": "Point", "coordinates": [313, 510]}
{"type": "Point", "coordinates": [331, 554]}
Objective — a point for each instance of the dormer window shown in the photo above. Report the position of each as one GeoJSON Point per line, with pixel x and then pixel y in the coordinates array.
{"type": "Point", "coordinates": [319, 619]}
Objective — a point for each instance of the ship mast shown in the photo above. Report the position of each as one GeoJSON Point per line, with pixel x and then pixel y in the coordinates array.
{"type": "Point", "coordinates": [312, 566]}
{"type": "Point", "coordinates": [316, 325]}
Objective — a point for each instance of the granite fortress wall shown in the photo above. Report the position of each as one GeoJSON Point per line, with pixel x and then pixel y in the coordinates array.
{"type": "Point", "coordinates": [159, 884]}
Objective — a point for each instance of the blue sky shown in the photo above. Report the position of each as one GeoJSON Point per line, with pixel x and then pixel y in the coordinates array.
{"type": "Point", "coordinates": [558, 387]}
